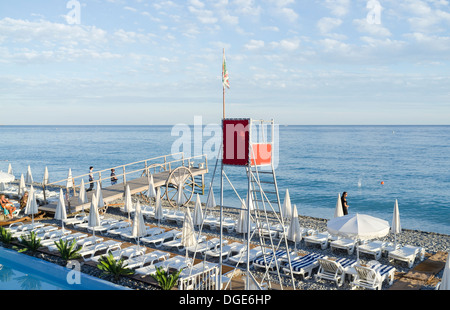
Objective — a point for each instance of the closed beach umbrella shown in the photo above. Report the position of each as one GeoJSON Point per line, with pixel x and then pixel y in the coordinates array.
{"type": "Point", "coordinates": [396, 227]}
{"type": "Point", "coordinates": [128, 203]}
{"type": "Point", "coordinates": [211, 201]}
{"type": "Point", "coordinates": [198, 214]}
{"type": "Point", "coordinates": [29, 178]}
{"type": "Point", "coordinates": [338, 210]}
{"type": "Point", "coordinates": [358, 226]}
{"type": "Point", "coordinates": [32, 206]}
{"type": "Point", "coordinates": [181, 198]}
{"type": "Point", "coordinates": [45, 180]}
{"type": "Point", "coordinates": [138, 228]}
{"type": "Point", "coordinates": [10, 169]}
{"type": "Point", "coordinates": [242, 223]}
{"type": "Point", "coordinates": [69, 182]}
{"type": "Point", "coordinates": [22, 188]}
{"type": "Point", "coordinates": [82, 196]}
{"type": "Point", "coordinates": [287, 206]}
{"type": "Point", "coordinates": [99, 195]}
{"type": "Point", "coordinates": [188, 237]}
{"type": "Point", "coordinates": [159, 214]}
{"type": "Point", "coordinates": [151, 193]}
{"type": "Point", "coordinates": [294, 231]}
{"type": "Point", "coordinates": [94, 217]}
{"type": "Point", "coordinates": [445, 282]}
{"type": "Point", "coordinates": [60, 213]}
{"type": "Point", "coordinates": [6, 177]}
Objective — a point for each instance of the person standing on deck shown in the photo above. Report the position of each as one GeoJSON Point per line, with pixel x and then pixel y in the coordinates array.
{"type": "Point", "coordinates": [344, 203]}
{"type": "Point", "coordinates": [91, 179]}
{"type": "Point", "coordinates": [113, 177]}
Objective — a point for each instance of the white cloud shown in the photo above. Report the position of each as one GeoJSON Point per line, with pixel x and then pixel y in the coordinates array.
{"type": "Point", "coordinates": [247, 7]}
{"type": "Point", "coordinates": [17, 30]}
{"type": "Point", "coordinates": [287, 44]}
{"type": "Point", "coordinates": [422, 17]}
{"type": "Point", "coordinates": [197, 3]}
{"type": "Point", "coordinates": [338, 7]}
{"type": "Point", "coordinates": [326, 24]}
{"type": "Point", "coordinates": [371, 28]}
{"type": "Point", "coordinates": [204, 16]}
{"type": "Point", "coordinates": [131, 36]}
{"type": "Point", "coordinates": [254, 44]}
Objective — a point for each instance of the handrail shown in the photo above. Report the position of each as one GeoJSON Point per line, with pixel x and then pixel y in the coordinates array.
{"type": "Point", "coordinates": [109, 169]}
{"type": "Point", "coordinates": [164, 166]}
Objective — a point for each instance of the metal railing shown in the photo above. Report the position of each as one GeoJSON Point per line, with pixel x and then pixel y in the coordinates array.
{"type": "Point", "coordinates": [207, 279]}
{"type": "Point", "coordinates": [155, 164]}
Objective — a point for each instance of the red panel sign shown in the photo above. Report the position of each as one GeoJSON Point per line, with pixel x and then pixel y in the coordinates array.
{"type": "Point", "coordinates": [236, 137]}
{"type": "Point", "coordinates": [262, 154]}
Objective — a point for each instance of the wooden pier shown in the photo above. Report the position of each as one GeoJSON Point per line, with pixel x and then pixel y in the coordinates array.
{"type": "Point", "coordinates": [165, 174]}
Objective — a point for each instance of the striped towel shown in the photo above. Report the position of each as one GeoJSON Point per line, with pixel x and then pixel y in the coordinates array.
{"type": "Point", "coordinates": [346, 262]}
{"type": "Point", "coordinates": [305, 261]}
{"type": "Point", "coordinates": [269, 257]}
{"type": "Point", "coordinates": [382, 269]}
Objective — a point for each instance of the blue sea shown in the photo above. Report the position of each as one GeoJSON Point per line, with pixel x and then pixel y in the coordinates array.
{"type": "Point", "coordinates": [376, 165]}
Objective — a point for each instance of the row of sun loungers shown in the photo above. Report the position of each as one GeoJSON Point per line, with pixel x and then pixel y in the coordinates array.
{"type": "Point", "coordinates": [376, 248]}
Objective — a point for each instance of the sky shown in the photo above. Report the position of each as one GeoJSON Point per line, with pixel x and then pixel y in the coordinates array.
{"type": "Point", "coordinates": [303, 62]}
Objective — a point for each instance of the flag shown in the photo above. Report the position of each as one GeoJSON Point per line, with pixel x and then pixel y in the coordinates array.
{"type": "Point", "coordinates": [225, 80]}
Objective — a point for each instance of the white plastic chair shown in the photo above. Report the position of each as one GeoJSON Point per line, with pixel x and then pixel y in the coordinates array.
{"type": "Point", "coordinates": [372, 276]}
{"type": "Point", "coordinates": [334, 270]}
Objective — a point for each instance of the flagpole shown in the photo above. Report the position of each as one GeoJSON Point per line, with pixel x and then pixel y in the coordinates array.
{"type": "Point", "coordinates": [223, 86]}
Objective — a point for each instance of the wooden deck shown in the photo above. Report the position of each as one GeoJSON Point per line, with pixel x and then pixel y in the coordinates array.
{"type": "Point", "coordinates": [117, 191]}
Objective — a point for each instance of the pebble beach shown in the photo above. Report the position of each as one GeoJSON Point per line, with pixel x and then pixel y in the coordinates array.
{"type": "Point", "coordinates": [431, 242]}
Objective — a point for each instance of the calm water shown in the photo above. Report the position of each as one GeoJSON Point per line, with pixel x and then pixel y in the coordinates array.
{"type": "Point", "coordinates": [315, 163]}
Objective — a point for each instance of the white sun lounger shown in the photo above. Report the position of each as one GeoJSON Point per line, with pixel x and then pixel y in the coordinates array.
{"type": "Point", "coordinates": [89, 240]}
{"type": "Point", "coordinates": [344, 244]}
{"type": "Point", "coordinates": [50, 243]}
{"type": "Point", "coordinates": [118, 253]}
{"type": "Point", "coordinates": [408, 254]}
{"type": "Point", "coordinates": [54, 233]}
{"type": "Point", "coordinates": [174, 216]}
{"type": "Point", "coordinates": [372, 277]}
{"type": "Point", "coordinates": [40, 231]}
{"type": "Point", "coordinates": [139, 261]}
{"type": "Point", "coordinates": [93, 248]}
{"type": "Point", "coordinates": [227, 251]}
{"type": "Point", "coordinates": [228, 224]}
{"type": "Point", "coordinates": [109, 226]}
{"type": "Point", "coordinates": [321, 239]}
{"type": "Point", "coordinates": [242, 258]}
{"type": "Point", "coordinates": [117, 231]}
{"type": "Point", "coordinates": [334, 269]}
{"type": "Point", "coordinates": [16, 229]}
{"type": "Point", "coordinates": [177, 262]}
{"type": "Point", "coordinates": [85, 225]}
{"type": "Point", "coordinates": [374, 248]}
{"type": "Point", "coordinates": [77, 219]}
{"type": "Point", "coordinates": [202, 247]}
{"type": "Point", "coordinates": [304, 265]}
{"type": "Point", "coordinates": [149, 231]}
{"type": "Point", "coordinates": [196, 269]}
{"type": "Point", "coordinates": [211, 221]}
{"type": "Point", "coordinates": [178, 245]}
{"type": "Point", "coordinates": [158, 240]}
{"type": "Point", "coordinates": [270, 260]}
